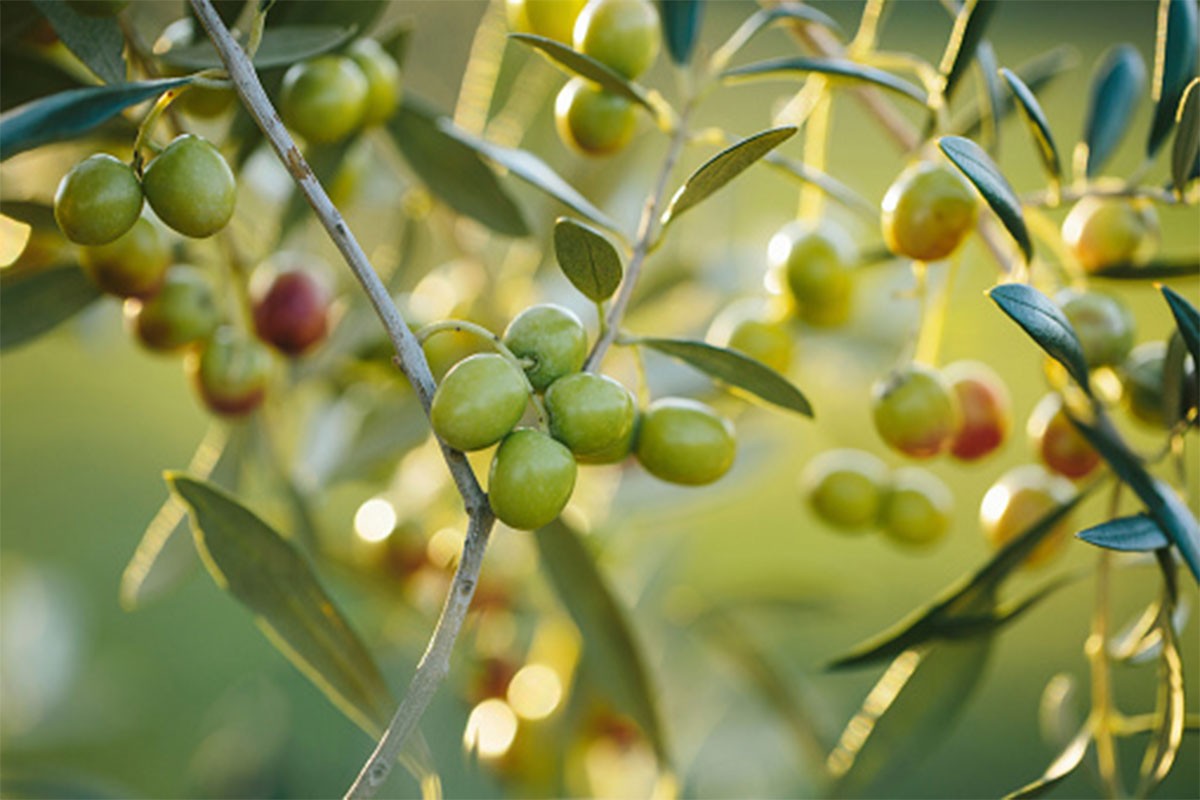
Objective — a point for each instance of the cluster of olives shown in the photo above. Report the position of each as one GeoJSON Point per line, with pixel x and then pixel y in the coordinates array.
{"type": "Point", "coordinates": [189, 185]}
{"type": "Point", "coordinates": [327, 98]}
{"type": "Point", "coordinates": [590, 419]}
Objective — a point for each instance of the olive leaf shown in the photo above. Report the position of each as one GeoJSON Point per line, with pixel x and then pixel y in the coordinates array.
{"type": "Point", "coordinates": [1037, 73]}
{"type": "Point", "coordinates": [762, 19]}
{"type": "Point", "coordinates": [965, 37]}
{"type": "Point", "coordinates": [1117, 86]}
{"type": "Point", "coordinates": [27, 76]}
{"type": "Point", "coordinates": [998, 102]}
{"type": "Point", "coordinates": [1174, 65]}
{"type": "Point", "coordinates": [834, 67]}
{"type": "Point", "coordinates": [589, 260]}
{"type": "Point", "coordinates": [1061, 768]}
{"type": "Point", "coordinates": [735, 369]}
{"type": "Point", "coordinates": [586, 66]}
{"type": "Point", "coordinates": [1038, 126]}
{"type": "Point", "coordinates": [1135, 534]}
{"type": "Point", "coordinates": [1185, 153]}
{"type": "Point", "coordinates": [34, 303]}
{"type": "Point", "coordinates": [681, 27]}
{"type": "Point", "coordinates": [280, 47]}
{"type": "Point", "coordinates": [1154, 269]}
{"type": "Point", "coordinates": [981, 171]}
{"type": "Point", "coordinates": [1187, 319]}
{"type": "Point", "coordinates": [1046, 325]}
{"type": "Point", "coordinates": [38, 216]}
{"type": "Point", "coordinates": [96, 41]}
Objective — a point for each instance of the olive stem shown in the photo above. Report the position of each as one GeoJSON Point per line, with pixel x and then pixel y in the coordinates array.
{"type": "Point", "coordinates": [1096, 649]}
{"type": "Point", "coordinates": [435, 663]}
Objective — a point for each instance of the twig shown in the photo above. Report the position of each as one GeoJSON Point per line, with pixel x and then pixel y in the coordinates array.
{"type": "Point", "coordinates": [435, 664]}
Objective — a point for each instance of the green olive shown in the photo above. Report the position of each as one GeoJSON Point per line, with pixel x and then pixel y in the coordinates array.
{"type": "Point", "coordinates": [132, 265]}
{"type": "Point", "coordinates": [685, 441]}
{"type": "Point", "coordinates": [1106, 231]}
{"type": "Point", "coordinates": [916, 510]}
{"type": "Point", "coordinates": [845, 487]}
{"type": "Point", "coordinates": [915, 411]}
{"type": "Point", "coordinates": [531, 479]}
{"type": "Point", "coordinates": [1103, 323]}
{"type": "Point", "coordinates": [184, 311]}
{"type": "Point", "coordinates": [622, 34]}
{"type": "Point", "coordinates": [190, 187]}
{"type": "Point", "coordinates": [928, 212]}
{"type": "Point", "coordinates": [230, 372]}
{"type": "Point", "coordinates": [815, 263]}
{"type": "Point", "coordinates": [554, 19]}
{"type": "Point", "coordinates": [550, 336]}
{"type": "Point", "coordinates": [591, 120]}
{"type": "Point", "coordinates": [478, 402]}
{"type": "Point", "coordinates": [1143, 384]}
{"type": "Point", "coordinates": [98, 200]}
{"type": "Point", "coordinates": [383, 80]}
{"type": "Point", "coordinates": [591, 414]}
{"type": "Point", "coordinates": [324, 99]}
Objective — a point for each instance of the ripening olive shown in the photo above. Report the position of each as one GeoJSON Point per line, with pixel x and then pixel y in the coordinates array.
{"type": "Point", "coordinates": [190, 187]}
{"type": "Point", "coordinates": [550, 336]}
{"type": "Point", "coordinates": [915, 411]}
{"type": "Point", "coordinates": [1021, 497]}
{"type": "Point", "coordinates": [383, 80]}
{"type": "Point", "coordinates": [916, 509]}
{"type": "Point", "coordinates": [1143, 385]}
{"type": "Point", "coordinates": [1102, 322]}
{"type": "Point", "coordinates": [531, 479]}
{"type": "Point", "coordinates": [986, 409]}
{"type": "Point", "coordinates": [816, 265]}
{"type": "Point", "coordinates": [1058, 444]}
{"type": "Point", "coordinates": [928, 212]}
{"type": "Point", "coordinates": [622, 34]}
{"type": "Point", "coordinates": [132, 265]}
{"type": "Point", "coordinates": [1106, 231]}
{"type": "Point", "coordinates": [230, 372]}
{"type": "Point", "coordinates": [685, 441]}
{"type": "Point", "coordinates": [291, 311]}
{"type": "Point", "coordinates": [478, 402]}
{"type": "Point", "coordinates": [324, 99]}
{"type": "Point", "coordinates": [98, 200]}
{"type": "Point", "coordinates": [183, 312]}
{"type": "Point", "coordinates": [845, 487]}
{"type": "Point", "coordinates": [591, 120]}
{"type": "Point", "coordinates": [591, 414]}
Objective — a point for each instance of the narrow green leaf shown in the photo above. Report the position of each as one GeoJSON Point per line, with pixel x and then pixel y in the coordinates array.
{"type": "Point", "coordinates": [834, 67]}
{"type": "Point", "coordinates": [73, 113]}
{"type": "Point", "coordinates": [998, 102]}
{"type": "Point", "coordinates": [1134, 534]}
{"type": "Point", "coordinates": [916, 702]}
{"type": "Point", "coordinates": [589, 260]}
{"type": "Point", "coordinates": [453, 170]}
{"type": "Point", "coordinates": [96, 41]}
{"type": "Point", "coordinates": [1037, 73]}
{"type": "Point", "coordinates": [1067, 762]}
{"type": "Point", "coordinates": [969, 27]}
{"type": "Point", "coordinates": [1036, 118]}
{"type": "Point", "coordinates": [1117, 86]}
{"type": "Point", "coordinates": [983, 172]}
{"type": "Point", "coordinates": [735, 369]}
{"type": "Point", "coordinates": [531, 169]}
{"type": "Point", "coordinates": [1155, 269]}
{"type": "Point", "coordinates": [833, 188]}
{"type": "Point", "coordinates": [1174, 405]}
{"type": "Point", "coordinates": [1174, 65]}
{"type": "Point", "coordinates": [280, 46]}
{"type": "Point", "coordinates": [762, 19]}
{"type": "Point", "coordinates": [578, 64]}
{"type": "Point", "coordinates": [35, 303]}
{"type": "Point", "coordinates": [166, 555]}
{"type": "Point", "coordinates": [1187, 319]}
{"type": "Point", "coordinates": [1186, 150]}
{"type": "Point", "coordinates": [361, 14]}
{"type": "Point", "coordinates": [681, 27]}
{"type": "Point", "coordinates": [609, 645]}
{"type": "Point", "coordinates": [724, 167]}
{"type": "Point", "coordinates": [269, 576]}
{"type": "Point", "coordinates": [1046, 325]}
{"type": "Point", "coordinates": [38, 216]}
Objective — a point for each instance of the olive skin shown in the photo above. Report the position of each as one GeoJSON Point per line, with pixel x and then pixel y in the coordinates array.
{"type": "Point", "coordinates": [132, 265]}
{"type": "Point", "coordinates": [1143, 384]}
{"type": "Point", "coordinates": [292, 315]}
{"type": "Point", "coordinates": [383, 80]}
{"type": "Point", "coordinates": [324, 99]}
{"type": "Point", "coordinates": [592, 121]}
{"type": "Point", "coordinates": [1057, 443]}
{"type": "Point", "coordinates": [986, 409]}
{"type": "Point", "coordinates": [816, 264]}
{"type": "Point", "coordinates": [916, 510]}
{"type": "Point", "coordinates": [928, 211]}
{"type": "Point", "coordinates": [1103, 323]}
{"type": "Point", "coordinates": [531, 479]}
{"type": "Point", "coordinates": [1017, 500]}
{"type": "Point", "coordinates": [685, 441]}
{"type": "Point", "coordinates": [554, 19]}
{"type": "Point", "coordinates": [481, 399]}
{"type": "Point", "coordinates": [230, 372]}
{"type": "Point", "coordinates": [1105, 231]}
{"type": "Point", "coordinates": [591, 414]}
{"type": "Point", "coordinates": [915, 411]}
{"type": "Point", "coordinates": [622, 34]}
{"type": "Point", "coordinates": [191, 187]}
{"type": "Point", "coordinates": [552, 337]}
{"type": "Point", "coordinates": [845, 488]}
{"type": "Point", "coordinates": [98, 200]}
{"type": "Point", "coordinates": [183, 312]}
{"type": "Point", "coordinates": [748, 332]}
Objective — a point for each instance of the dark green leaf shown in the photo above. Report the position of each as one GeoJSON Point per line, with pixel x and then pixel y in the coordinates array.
{"type": "Point", "coordinates": [998, 101]}
{"type": "Point", "coordinates": [453, 170]}
{"type": "Point", "coordinates": [969, 27]}
{"type": "Point", "coordinates": [735, 369]}
{"type": "Point", "coordinates": [269, 576]}
{"type": "Point", "coordinates": [24, 76]}
{"type": "Point", "coordinates": [724, 167]}
{"type": "Point", "coordinates": [35, 303]}
{"type": "Point", "coordinates": [280, 46]}
{"type": "Point", "coordinates": [1032, 111]}
{"type": "Point", "coordinates": [1174, 65]}
{"type": "Point", "coordinates": [589, 260]}
{"type": "Point", "coordinates": [982, 171]}
{"type": "Point", "coordinates": [1117, 86]}
{"type": "Point", "coordinates": [762, 19]}
{"type": "Point", "coordinates": [361, 14]}
{"type": "Point", "coordinates": [1174, 374]}
{"type": "Point", "coordinates": [609, 646]}
{"type": "Point", "coordinates": [96, 41]}
{"type": "Point", "coordinates": [1186, 150]}
{"type": "Point", "coordinates": [1067, 762]}
{"type": "Point", "coordinates": [1155, 269]}
{"type": "Point", "coordinates": [681, 27]}
{"type": "Point", "coordinates": [38, 216]}
{"type": "Point", "coordinates": [586, 66]}
{"type": "Point", "coordinates": [531, 169]}
{"type": "Point", "coordinates": [834, 67]}
{"type": "Point", "coordinates": [1135, 534]}
{"type": "Point", "coordinates": [397, 41]}
{"type": "Point", "coordinates": [69, 114]}
{"type": "Point", "coordinates": [166, 555]}
{"type": "Point", "coordinates": [1046, 325]}
{"type": "Point", "coordinates": [1187, 319]}
{"type": "Point", "coordinates": [1037, 73]}
{"type": "Point", "coordinates": [916, 702]}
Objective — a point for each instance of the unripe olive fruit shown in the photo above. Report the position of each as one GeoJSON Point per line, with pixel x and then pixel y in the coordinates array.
{"type": "Point", "coordinates": [928, 212]}
{"type": "Point", "coordinates": [764, 340]}
{"type": "Point", "coordinates": [619, 450]}
{"type": "Point", "coordinates": [230, 372]}
{"type": "Point", "coordinates": [1143, 384]}
{"type": "Point", "coordinates": [1104, 231]}
{"type": "Point", "coordinates": [1021, 497]}
{"type": "Point", "coordinates": [685, 441]}
{"type": "Point", "coordinates": [1103, 323]}
{"type": "Point", "coordinates": [1059, 444]}
{"type": "Point", "coordinates": [324, 99]}
{"type": "Point", "coordinates": [985, 406]}
{"type": "Point", "coordinates": [448, 348]}
{"type": "Point", "coordinates": [190, 187]}
{"type": "Point", "coordinates": [383, 80]}
{"type": "Point", "coordinates": [815, 263]}
{"type": "Point", "coordinates": [184, 311]}
{"type": "Point", "coordinates": [291, 312]}
{"type": "Point", "coordinates": [917, 508]}
{"type": "Point", "coordinates": [98, 200]}
{"type": "Point", "coordinates": [550, 336]}
{"type": "Point", "coordinates": [845, 487]}
{"type": "Point", "coordinates": [478, 402]}
{"type": "Point", "coordinates": [554, 19]}
{"type": "Point", "coordinates": [591, 414]}
{"type": "Point", "coordinates": [531, 479]}
{"type": "Point", "coordinates": [622, 34]}
{"type": "Point", "coordinates": [915, 411]}
{"type": "Point", "coordinates": [514, 13]}
{"type": "Point", "coordinates": [591, 120]}
{"type": "Point", "coordinates": [98, 8]}
{"type": "Point", "coordinates": [132, 265]}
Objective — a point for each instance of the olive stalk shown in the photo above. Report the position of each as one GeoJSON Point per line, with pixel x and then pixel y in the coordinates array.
{"type": "Point", "coordinates": [435, 663]}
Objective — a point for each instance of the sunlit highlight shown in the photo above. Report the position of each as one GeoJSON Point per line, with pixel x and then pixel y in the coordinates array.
{"type": "Point", "coordinates": [491, 728]}
{"type": "Point", "coordinates": [994, 504]}
{"type": "Point", "coordinates": [375, 520]}
{"type": "Point", "coordinates": [444, 547]}
{"type": "Point", "coordinates": [535, 691]}
{"type": "Point", "coordinates": [14, 236]}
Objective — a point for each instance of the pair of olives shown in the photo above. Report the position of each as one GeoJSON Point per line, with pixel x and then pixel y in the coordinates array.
{"type": "Point", "coordinates": [327, 98]}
